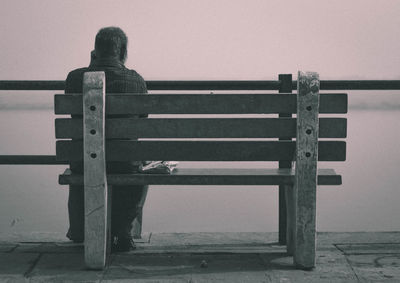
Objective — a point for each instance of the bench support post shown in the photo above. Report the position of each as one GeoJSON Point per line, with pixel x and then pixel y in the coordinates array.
{"type": "Point", "coordinates": [95, 182]}
{"type": "Point", "coordinates": [306, 169]}
{"type": "Point", "coordinates": [284, 225]}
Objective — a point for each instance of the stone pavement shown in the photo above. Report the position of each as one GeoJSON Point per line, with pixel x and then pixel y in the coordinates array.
{"type": "Point", "coordinates": [209, 257]}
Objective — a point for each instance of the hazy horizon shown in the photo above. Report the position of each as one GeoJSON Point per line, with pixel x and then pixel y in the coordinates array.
{"type": "Point", "coordinates": [189, 39]}
{"type": "Point", "coordinates": [207, 40]}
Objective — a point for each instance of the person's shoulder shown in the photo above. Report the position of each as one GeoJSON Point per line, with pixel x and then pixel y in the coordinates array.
{"type": "Point", "coordinates": [74, 79]}
{"type": "Point", "coordinates": [134, 74]}
{"type": "Point", "coordinates": [78, 72]}
{"type": "Point", "coordinates": [137, 79]}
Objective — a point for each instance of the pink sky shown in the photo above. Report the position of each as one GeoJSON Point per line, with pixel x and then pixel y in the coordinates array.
{"type": "Point", "coordinates": [207, 39]}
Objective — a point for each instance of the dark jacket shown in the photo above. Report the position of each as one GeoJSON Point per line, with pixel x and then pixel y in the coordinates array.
{"type": "Point", "coordinates": [119, 79]}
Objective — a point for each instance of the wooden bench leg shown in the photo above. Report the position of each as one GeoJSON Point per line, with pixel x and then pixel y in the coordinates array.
{"type": "Point", "coordinates": [95, 227]}
{"type": "Point", "coordinates": [305, 241]}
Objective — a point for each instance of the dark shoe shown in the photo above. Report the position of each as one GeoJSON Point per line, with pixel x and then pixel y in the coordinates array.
{"type": "Point", "coordinates": [123, 245]}
{"type": "Point", "coordinates": [74, 238]}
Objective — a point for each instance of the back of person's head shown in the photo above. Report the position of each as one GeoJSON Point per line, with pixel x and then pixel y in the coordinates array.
{"type": "Point", "coordinates": [111, 42]}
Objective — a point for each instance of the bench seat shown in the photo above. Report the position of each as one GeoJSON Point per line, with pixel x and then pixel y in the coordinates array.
{"type": "Point", "coordinates": [209, 176]}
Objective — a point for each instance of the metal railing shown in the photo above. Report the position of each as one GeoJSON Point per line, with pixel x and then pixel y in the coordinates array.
{"type": "Point", "coordinates": [183, 85]}
{"type": "Point", "coordinates": [218, 85]}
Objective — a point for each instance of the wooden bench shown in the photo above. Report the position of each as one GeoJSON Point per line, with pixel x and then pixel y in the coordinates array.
{"type": "Point", "coordinates": [236, 138]}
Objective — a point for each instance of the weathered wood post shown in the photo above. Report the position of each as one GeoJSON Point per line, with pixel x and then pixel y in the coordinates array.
{"type": "Point", "coordinates": [285, 87]}
{"type": "Point", "coordinates": [95, 180]}
{"type": "Point", "coordinates": [306, 169]}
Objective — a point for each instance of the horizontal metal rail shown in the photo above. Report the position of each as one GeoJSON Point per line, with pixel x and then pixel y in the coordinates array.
{"type": "Point", "coordinates": [30, 160]}
{"type": "Point", "coordinates": [359, 85]}
{"type": "Point", "coordinates": [218, 85]}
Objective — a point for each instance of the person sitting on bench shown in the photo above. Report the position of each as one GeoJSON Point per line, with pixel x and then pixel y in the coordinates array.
{"type": "Point", "coordinates": [109, 56]}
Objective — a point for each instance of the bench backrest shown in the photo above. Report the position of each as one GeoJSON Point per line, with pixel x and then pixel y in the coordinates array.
{"type": "Point", "coordinates": [156, 130]}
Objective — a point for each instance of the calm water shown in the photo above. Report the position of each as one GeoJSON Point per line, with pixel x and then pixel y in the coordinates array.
{"type": "Point", "coordinates": [32, 201]}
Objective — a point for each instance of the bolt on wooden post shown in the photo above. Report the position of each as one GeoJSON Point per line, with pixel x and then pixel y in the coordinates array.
{"type": "Point", "coordinates": [306, 169]}
{"type": "Point", "coordinates": [95, 181]}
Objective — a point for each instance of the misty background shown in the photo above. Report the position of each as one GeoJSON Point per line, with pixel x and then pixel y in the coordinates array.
{"type": "Point", "coordinates": [206, 40]}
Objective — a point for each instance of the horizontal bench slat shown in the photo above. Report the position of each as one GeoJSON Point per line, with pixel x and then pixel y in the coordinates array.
{"type": "Point", "coordinates": [210, 176]}
{"type": "Point", "coordinates": [201, 150]}
{"type": "Point", "coordinates": [200, 103]}
{"type": "Point", "coordinates": [202, 128]}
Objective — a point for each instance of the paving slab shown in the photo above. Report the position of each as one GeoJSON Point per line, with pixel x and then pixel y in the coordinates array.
{"type": "Point", "coordinates": [228, 248]}
{"type": "Point", "coordinates": [376, 267]}
{"type": "Point", "coordinates": [185, 267]}
{"type": "Point", "coordinates": [328, 238]}
{"type": "Point", "coordinates": [61, 268]}
{"type": "Point", "coordinates": [209, 257]}
{"type": "Point", "coordinates": [62, 247]}
{"type": "Point", "coordinates": [7, 247]}
{"type": "Point", "coordinates": [373, 262]}
{"type": "Point", "coordinates": [331, 267]}
{"type": "Point", "coordinates": [33, 236]}
{"type": "Point", "coordinates": [370, 248]}
{"type": "Point", "coordinates": [202, 238]}
{"type": "Point", "coordinates": [13, 267]}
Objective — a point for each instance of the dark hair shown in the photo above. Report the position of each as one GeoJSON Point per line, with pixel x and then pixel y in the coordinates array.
{"type": "Point", "coordinates": [111, 41]}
